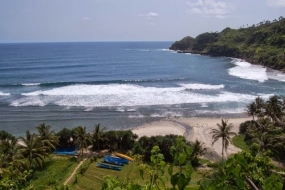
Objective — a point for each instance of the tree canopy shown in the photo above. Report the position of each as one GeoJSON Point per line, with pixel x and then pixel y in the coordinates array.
{"type": "Point", "coordinates": [263, 43]}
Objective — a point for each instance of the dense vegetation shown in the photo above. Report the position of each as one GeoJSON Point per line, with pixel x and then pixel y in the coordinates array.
{"type": "Point", "coordinates": [263, 43]}
{"type": "Point", "coordinates": [22, 159]}
{"type": "Point", "coordinates": [267, 126]}
{"type": "Point", "coordinates": [265, 140]}
{"type": "Point", "coordinates": [26, 161]}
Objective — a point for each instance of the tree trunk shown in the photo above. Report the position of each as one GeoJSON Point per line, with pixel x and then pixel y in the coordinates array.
{"type": "Point", "coordinates": [223, 149]}
{"type": "Point", "coordinates": [251, 183]}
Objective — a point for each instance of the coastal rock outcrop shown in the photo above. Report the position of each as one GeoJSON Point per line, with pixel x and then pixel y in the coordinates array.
{"type": "Point", "coordinates": [262, 44]}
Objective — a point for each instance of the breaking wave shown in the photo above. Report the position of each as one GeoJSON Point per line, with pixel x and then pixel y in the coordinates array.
{"type": "Point", "coordinates": [4, 94]}
{"type": "Point", "coordinates": [246, 70]}
{"type": "Point", "coordinates": [126, 95]}
{"type": "Point", "coordinates": [197, 86]}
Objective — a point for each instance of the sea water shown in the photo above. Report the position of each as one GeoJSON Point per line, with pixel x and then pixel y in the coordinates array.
{"type": "Point", "coordinates": [121, 85]}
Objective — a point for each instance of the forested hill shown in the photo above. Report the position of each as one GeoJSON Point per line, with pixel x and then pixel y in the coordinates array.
{"type": "Point", "coordinates": [263, 43]}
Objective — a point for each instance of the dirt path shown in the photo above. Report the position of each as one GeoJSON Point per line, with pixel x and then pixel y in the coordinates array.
{"type": "Point", "coordinates": [74, 172]}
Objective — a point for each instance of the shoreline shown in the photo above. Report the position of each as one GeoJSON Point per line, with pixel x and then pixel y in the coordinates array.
{"type": "Point", "coordinates": [247, 59]}
{"type": "Point", "coordinates": [193, 128]}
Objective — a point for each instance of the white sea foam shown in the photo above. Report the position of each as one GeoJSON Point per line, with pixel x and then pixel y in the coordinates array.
{"type": "Point", "coordinates": [88, 109]}
{"type": "Point", "coordinates": [165, 50]}
{"type": "Point", "coordinates": [121, 95]}
{"type": "Point", "coordinates": [246, 70]}
{"type": "Point", "coordinates": [276, 75]}
{"type": "Point", "coordinates": [204, 105]}
{"type": "Point", "coordinates": [136, 116]}
{"type": "Point", "coordinates": [31, 84]}
{"type": "Point", "coordinates": [4, 94]}
{"type": "Point", "coordinates": [197, 86]}
{"type": "Point", "coordinates": [167, 114]}
{"type": "Point", "coordinates": [221, 111]}
{"type": "Point", "coordinates": [120, 109]}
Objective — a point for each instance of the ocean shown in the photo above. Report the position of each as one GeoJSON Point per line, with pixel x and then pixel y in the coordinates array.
{"type": "Point", "coordinates": [121, 85]}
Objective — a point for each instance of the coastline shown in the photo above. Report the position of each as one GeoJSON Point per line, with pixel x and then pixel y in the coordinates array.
{"type": "Point", "coordinates": [194, 128]}
{"type": "Point", "coordinates": [241, 57]}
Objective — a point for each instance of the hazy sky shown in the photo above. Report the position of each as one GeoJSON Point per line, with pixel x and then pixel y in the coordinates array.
{"type": "Point", "coordinates": [127, 20]}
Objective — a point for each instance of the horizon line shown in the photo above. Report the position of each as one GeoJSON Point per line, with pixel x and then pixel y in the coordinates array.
{"type": "Point", "coordinates": [86, 41]}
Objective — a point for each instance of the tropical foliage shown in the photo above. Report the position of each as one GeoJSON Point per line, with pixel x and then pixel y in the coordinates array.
{"type": "Point", "coordinates": [268, 129]}
{"type": "Point", "coordinates": [155, 170]}
{"type": "Point", "coordinates": [262, 43]}
{"type": "Point", "coordinates": [21, 158]}
{"type": "Point", "coordinates": [82, 139]}
{"type": "Point", "coordinates": [245, 170]}
{"type": "Point", "coordinates": [224, 132]}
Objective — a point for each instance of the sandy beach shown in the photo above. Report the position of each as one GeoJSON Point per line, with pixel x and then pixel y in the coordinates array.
{"type": "Point", "coordinates": [192, 129]}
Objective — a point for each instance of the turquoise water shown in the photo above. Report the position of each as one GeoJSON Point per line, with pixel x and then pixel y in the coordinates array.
{"type": "Point", "coordinates": [121, 84]}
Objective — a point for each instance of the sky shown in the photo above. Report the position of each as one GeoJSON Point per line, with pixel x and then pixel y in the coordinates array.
{"type": "Point", "coordinates": [127, 20]}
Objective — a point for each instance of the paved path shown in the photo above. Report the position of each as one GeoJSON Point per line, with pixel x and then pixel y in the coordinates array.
{"type": "Point", "coordinates": [74, 172]}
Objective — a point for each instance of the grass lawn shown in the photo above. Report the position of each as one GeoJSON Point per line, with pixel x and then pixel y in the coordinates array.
{"type": "Point", "coordinates": [94, 177]}
{"type": "Point", "coordinates": [58, 168]}
{"type": "Point", "coordinates": [239, 142]}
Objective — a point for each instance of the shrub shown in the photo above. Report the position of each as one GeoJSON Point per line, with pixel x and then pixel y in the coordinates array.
{"type": "Point", "coordinates": [243, 126]}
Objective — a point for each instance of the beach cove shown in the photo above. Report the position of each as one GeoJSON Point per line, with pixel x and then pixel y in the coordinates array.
{"type": "Point", "coordinates": [195, 128]}
{"type": "Point", "coordinates": [122, 85]}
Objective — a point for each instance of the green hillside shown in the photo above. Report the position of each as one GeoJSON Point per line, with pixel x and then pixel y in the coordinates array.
{"type": "Point", "coordinates": [263, 43]}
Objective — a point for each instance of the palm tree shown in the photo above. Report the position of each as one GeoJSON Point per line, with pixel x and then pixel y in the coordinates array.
{"type": "Point", "coordinates": [266, 142]}
{"type": "Point", "coordinates": [83, 139]}
{"type": "Point", "coordinates": [47, 137]}
{"type": "Point", "coordinates": [225, 133]}
{"type": "Point", "coordinates": [98, 136]}
{"type": "Point", "coordinates": [4, 135]}
{"type": "Point", "coordinates": [260, 104]}
{"type": "Point", "coordinates": [252, 131]}
{"type": "Point", "coordinates": [198, 148]}
{"type": "Point", "coordinates": [274, 108]}
{"type": "Point", "coordinates": [265, 125]}
{"type": "Point", "coordinates": [128, 139]}
{"type": "Point", "coordinates": [251, 110]}
{"type": "Point", "coordinates": [11, 156]}
{"type": "Point", "coordinates": [33, 150]}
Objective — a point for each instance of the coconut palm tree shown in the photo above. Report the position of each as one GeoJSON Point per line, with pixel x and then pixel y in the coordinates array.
{"type": "Point", "coordinates": [260, 105]}
{"type": "Point", "coordinates": [4, 135]}
{"type": "Point", "coordinates": [33, 150]}
{"type": "Point", "coordinates": [283, 104]}
{"type": "Point", "coordinates": [251, 110]}
{"type": "Point", "coordinates": [252, 131]}
{"type": "Point", "coordinates": [128, 139]}
{"type": "Point", "coordinates": [265, 141]}
{"type": "Point", "coordinates": [11, 157]}
{"type": "Point", "coordinates": [98, 137]}
{"type": "Point", "coordinates": [224, 132]}
{"type": "Point", "coordinates": [273, 109]}
{"type": "Point", "coordinates": [47, 137]}
{"type": "Point", "coordinates": [83, 139]}
{"type": "Point", "coordinates": [198, 148]}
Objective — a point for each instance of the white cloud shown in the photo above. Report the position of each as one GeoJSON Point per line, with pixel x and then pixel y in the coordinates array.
{"type": "Point", "coordinates": [211, 8]}
{"type": "Point", "coordinates": [149, 15]}
{"type": "Point", "coordinates": [276, 3]}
